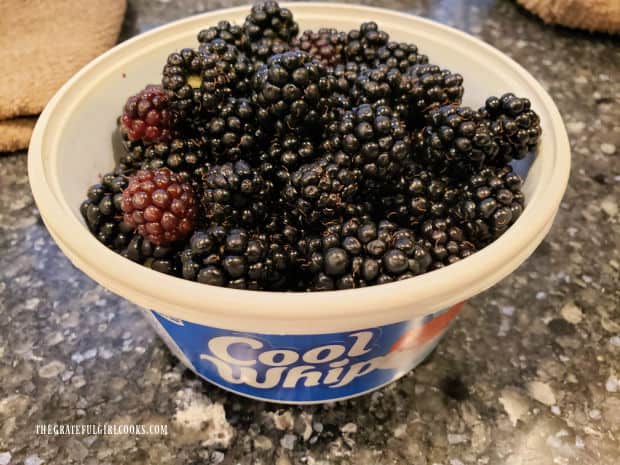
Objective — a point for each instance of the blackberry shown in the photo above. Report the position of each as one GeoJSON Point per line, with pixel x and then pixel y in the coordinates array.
{"type": "Point", "coordinates": [432, 87]}
{"type": "Point", "coordinates": [159, 205]}
{"type": "Point", "coordinates": [236, 258]}
{"type": "Point", "coordinates": [445, 241]}
{"type": "Point", "coordinates": [320, 191]}
{"type": "Point", "coordinates": [261, 50]}
{"type": "Point", "coordinates": [231, 133]}
{"type": "Point", "coordinates": [196, 82]}
{"type": "Point", "coordinates": [290, 150]}
{"type": "Point", "coordinates": [292, 92]}
{"type": "Point", "coordinates": [235, 194]}
{"type": "Point", "coordinates": [268, 20]}
{"type": "Point", "coordinates": [419, 195]}
{"type": "Point", "coordinates": [346, 75]}
{"type": "Point", "coordinates": [181, 155]}
{"type": "Point", "coordinates": [490, 201]}
{"type": "Point", "coordinates": [383, 85]}
{"type": "Point", "coordinates": [162, 258]}
{"type": "Point", "coordinates": [360, 253]}
{"type": "Point", "coordinates": [363, 44]}
{"type": "Point", "coordinates": [514, 126]}
{"type": "Point", "coordinates": [102, 211]}
{"type": "Point", "coordinates": [226, 31]}
{"type": "Point", "coordinates": [398, 55]}
{"type": "Point", "coordinates": [146, 116]}
{"type": "Point", "coordinates": [373, 138]}
{"type": "Point", "coordinates": [326, 45]}
{"type": "Point", "coordinates": [455, 141]}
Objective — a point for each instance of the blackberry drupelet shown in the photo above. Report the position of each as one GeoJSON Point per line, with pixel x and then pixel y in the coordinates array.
{"type": "Point", "coordinates": [373, 138]}
{"type": "Point", "coordinates": [363, 44]}
{"type": "Point", "coordinates": [292, 92]}
{"type": "Point", "coordinates": [432, 87]}
{"type": "Point", "coordinates": [456, 141]}
{"type": "Point", "coordinates": [490, 201]}
{"type": "Point", "coordinates": [360, 253]}
{"type": "Point", "coordinates": [146, 116]}
{"type": "Point", "coordinates": [445, 241]}
{"type": "Point", "coordinates": [326, 45]}
{"type": "Point", "coordinates": [268, 20]}
{"type": "Point", "coordinates": [320, 191]}
{"type": "Point", "coordinates": [399, 55]}
{"type": "Point", "coordinates": [515, 127]}
{"type": "Point", "coordinates": [226, 31]}
{"type": "Point", "coordinates": [159, 205]}
{"type": "Point", "coordinates": [235, 194]}
{"type": "Point", "coordinates": [231, 133]}
{"type": "Point", "coordinates": [237, 258]}
{"type": "Point", "coordinates": [103, 214]}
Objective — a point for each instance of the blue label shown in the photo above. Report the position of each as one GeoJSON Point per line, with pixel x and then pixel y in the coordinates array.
{"type": "Point", "coordinates": [306, 368]}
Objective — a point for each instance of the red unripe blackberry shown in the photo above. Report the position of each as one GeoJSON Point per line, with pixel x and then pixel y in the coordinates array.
{"type": "Point", "coordinates": [160, 205]}
{"type": "Point", "coordinates": [146, 116]}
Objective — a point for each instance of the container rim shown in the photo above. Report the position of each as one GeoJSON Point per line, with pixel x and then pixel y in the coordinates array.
{"type": "Point", "coordinates": [186, 299]}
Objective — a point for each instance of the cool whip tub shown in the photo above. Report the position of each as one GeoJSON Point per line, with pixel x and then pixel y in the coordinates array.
{"type": "Point", "coordinates": [286, 347]}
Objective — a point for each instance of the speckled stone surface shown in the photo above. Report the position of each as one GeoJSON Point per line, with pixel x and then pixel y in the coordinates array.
{"type": "Point", "coordinates": [528, 375]}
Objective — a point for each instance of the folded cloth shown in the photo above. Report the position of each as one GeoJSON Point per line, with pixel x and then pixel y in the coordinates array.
{"type": "Point", "coordinates": [42, 44]}
{"type": "Point", "coordinates": [591, 15]}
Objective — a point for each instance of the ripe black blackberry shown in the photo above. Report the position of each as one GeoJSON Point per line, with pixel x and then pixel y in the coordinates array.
{"type": "Point", "coordinates": [373, 138]}
{"type": "Point", "coordinates": [290, 150]}
{"type": "Point", "coordinates": [455, 141]}
{"type": "Point", "coordinates": [432, 87]}
{"type": "Point", "coordinates": [237, 258]}
{"type": "Point", "coordinates": [198, 81]}
{"type": "Point", "coordinates": [514, 126]}
{"type": "Point", "coordinates": [320, 191]}
{"type": "Point", "coordinates": [383, 85]}
{"type": "Point", "coordinates": [292, 92]}
{"type": "Point", "coordinates": [346, 75]}
{"type": "Point", "coordinates": [226, 31]}
{"type": "Point", "coordinates": [326, 45]}
{"type": "Point", "coordinates": [399, 55]}
{"type": "Point", "coordinates": [103, 214]}
{"type": "Point", "coordinates": [363, 44]}
{"type": "Point", "coordinates": [182, 155]}
{"type": "Point", "coordinates": [231, 132]}
{"type": "Point", "coordinates": [162, 258]}
{"type": "Point", "coordinates": [445, 241]}
{"type": "Point", "coordinates": [261, 50]}
{"type": "Point", "coordinates": [235, 194]}
{"type": "Point", "coordinates": [490, 201]}
{"type": "Point", "coordinates": [360, 253]}
{"type": "Point", "coordinates": [419, 195]}
{"type": "Point", "coordinates": [268, 20]}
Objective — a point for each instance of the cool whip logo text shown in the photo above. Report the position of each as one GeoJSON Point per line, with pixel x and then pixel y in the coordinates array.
{"type": "Point", "coordinates": [246, 360]}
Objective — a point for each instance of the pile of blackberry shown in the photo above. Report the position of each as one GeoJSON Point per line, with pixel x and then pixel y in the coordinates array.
{"type": "Point", "coordinates": [276, 159]}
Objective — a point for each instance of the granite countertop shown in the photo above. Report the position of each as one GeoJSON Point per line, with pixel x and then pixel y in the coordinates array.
{"type": "Point", "coordinates": [529, 374]}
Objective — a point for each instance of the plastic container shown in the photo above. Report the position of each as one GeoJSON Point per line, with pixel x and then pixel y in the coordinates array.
{"type": "Point", "coordinates": [286, 347]}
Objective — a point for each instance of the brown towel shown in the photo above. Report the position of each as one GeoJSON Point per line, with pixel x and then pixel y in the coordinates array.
{"type": "Point", "coordinates": [591, 15]}
{"type": "Point", "coordinates": [42, 44]}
